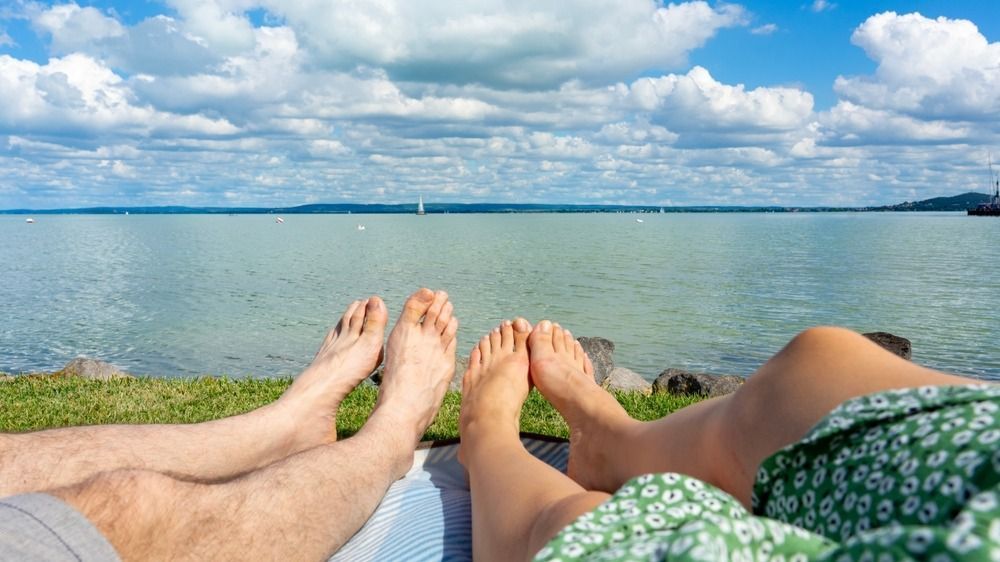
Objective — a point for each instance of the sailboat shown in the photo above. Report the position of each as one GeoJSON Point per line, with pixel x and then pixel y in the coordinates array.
{"type": "Point", "coordinates": [420, 207]}
{"type": "Point", "coordinates": [990, 208]}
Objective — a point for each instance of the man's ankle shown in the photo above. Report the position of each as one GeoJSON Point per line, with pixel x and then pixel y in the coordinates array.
{"type": "Point", "coordinates": [394, 434]}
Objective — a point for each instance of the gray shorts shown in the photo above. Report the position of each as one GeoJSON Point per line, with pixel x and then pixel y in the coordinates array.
{"type": "Point", "coordinates": [41, 527]}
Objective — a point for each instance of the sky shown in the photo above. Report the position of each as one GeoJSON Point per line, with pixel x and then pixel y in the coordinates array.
{"type": "Point", "coordinates": [288, 102]}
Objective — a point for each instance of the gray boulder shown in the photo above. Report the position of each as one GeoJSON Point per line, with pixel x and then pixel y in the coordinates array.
{"type": "Point", "coordinates": [601, 352]}
{"type": "Point", "coordinates": [894, 344]}
{"type": "Point", "coordinates": [627, 380]}
{"type": "Point", "coordinates": [679, 381]}
{"type": "Point", "coordinates": [95, 369]}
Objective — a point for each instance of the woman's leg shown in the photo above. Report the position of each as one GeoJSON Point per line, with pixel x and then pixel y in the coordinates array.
{"type": "Point", "coordinates": [518, 502]}
{"type": "Point", "coordinates": [723, 440]}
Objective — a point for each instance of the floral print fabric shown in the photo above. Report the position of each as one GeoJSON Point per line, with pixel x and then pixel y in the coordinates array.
{"type": "Point", "coordinates": [897, 475]}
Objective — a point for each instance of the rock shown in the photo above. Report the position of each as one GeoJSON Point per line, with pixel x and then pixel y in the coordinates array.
{"type": "Point", "coordinates": [679, 381]}
{"type": "Point", "coordinates": [95, 369]}
{"type": "Point", "coordinates": [895, 344]}
{"type": "Point", "coordinates": [601, 352]}
{"type": "Point", "coordinates": [627, 380]}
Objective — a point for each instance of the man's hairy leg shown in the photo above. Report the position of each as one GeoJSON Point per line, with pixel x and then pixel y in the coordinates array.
{"type": "Point", "coordinates": [303, 418]}
{"type": "Point", "coordinates": [306, 506]}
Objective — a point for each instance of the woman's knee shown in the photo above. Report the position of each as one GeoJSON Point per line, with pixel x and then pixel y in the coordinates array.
{"type": "Point", "coordinates": [823, 339]}
{"type": "Point", "coordinates": [809, 357]}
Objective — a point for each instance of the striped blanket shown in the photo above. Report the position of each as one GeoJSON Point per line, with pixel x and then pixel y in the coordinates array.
{"type": "Point", "coordinates": [427, 515]}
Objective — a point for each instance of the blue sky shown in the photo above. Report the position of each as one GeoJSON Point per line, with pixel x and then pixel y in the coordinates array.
{"type": "Point", "coordinates": [284, 102]}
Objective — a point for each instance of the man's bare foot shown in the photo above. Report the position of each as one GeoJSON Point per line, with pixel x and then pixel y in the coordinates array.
{"type": "Point", "coordinates": [562, 372]}
{"type": "Point", "coordinates": [350, 352]}
{"type": "Point", "coordinates": [495, 387]}
{"type": "Point", "coordinates": [419, 364]}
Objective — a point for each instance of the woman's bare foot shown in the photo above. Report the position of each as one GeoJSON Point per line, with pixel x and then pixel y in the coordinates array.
{"type": "Point", "coordinates": [419, 364]}
{"type": "Point", "coordinates": [350, 352]}
{"type": "Point", "coordinates": [564, 375]}
{"type": "Point", "coordinates": [495, 387]}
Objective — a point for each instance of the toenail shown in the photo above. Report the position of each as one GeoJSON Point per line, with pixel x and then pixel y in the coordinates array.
{"type": "Point", "coordinates": [545, 326]}
{"type": "Point", "coordinates": [506, 323]}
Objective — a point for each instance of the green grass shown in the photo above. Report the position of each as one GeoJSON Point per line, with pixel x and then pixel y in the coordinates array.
{"type": "Point", "coordinates": [29, 403]}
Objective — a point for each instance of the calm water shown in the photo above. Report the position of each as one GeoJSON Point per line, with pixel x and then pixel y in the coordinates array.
{"type": "Point", "coordinates": [244, 296]}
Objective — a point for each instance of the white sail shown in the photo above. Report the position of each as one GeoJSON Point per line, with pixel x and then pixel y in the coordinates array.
{"type": "Point", "coordinates": [420, 206]}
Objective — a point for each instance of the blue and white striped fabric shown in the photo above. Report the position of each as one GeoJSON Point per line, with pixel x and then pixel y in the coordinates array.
{"type": "Point", "coordinates": [427, 515]}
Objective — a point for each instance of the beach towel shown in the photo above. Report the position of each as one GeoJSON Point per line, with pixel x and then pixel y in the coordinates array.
{"type": "Point", "coordinates": [427, 515]}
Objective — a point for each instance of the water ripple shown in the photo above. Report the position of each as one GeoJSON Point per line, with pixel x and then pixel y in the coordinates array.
{"type": "Point", "coordinates": [241, 295]}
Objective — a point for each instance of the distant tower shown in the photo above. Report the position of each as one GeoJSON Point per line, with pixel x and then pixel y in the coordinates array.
{"type": "Point", "coordinates": [420, 206]}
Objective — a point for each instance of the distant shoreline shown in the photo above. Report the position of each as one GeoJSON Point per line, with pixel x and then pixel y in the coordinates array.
{"type": "Point", "coordinates": [955, 203]}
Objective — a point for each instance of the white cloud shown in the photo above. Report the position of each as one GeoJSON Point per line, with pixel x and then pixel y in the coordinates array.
{"type": "Point", "coordinates": [484, 100]}
{"type": "Point", "coordinates": [928, 68]}
{"type": "Point", "coordinates": [221, 24]}
{"type": "Point", "coordinates": [157, 45]}
{"type": "Point", "coordinates": [499, 43]}
{"type": "Point", "coordinates": [847, 123]}
{"type": "Point", "coordinates": [77, 94]}
{"type": "Point", "coordinates": [822, 6]}
{"type": "Point", "coordinates": [118, 168]}
{"type": "Point", "coordinates": [325, 148]}
{"type": "Point", "coordinates": [766, 29]}
{"type": "Point", "coordinates": [696, 102]}
{"type": "Point", "coordinates": [73, 28]}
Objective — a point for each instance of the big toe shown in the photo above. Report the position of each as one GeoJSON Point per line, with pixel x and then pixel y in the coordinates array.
{"type": "Point", "coordinates": [522, 329]}
{"type": "Point", "coordinates": [416, 306]}
{"type": "Point", "coordinates": [376, 317]}
{"type": "Point", "coordinates": [540, 339]}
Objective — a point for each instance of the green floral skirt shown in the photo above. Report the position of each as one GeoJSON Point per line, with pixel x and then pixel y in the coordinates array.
{"type": "Point", "coordinates": [897, 475]}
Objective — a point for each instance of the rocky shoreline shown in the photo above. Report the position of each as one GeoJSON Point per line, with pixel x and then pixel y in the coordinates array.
{"type": "Point", "coordinates": [610, 376]}
{"type": "Point", "coordinates": [683, 382]}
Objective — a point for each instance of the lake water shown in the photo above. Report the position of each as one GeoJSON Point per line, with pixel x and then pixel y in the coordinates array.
{"type": "Point", "coordinates": [245, 296]}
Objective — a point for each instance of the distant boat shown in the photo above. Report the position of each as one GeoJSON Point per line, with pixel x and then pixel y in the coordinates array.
{"type": "Point", "coordinates": [990, 208]}
{"type": "Point", "coordinates": [29, 220]}
{"type": "Point", "coordinates": [279, 220]}
{"type": "Point", "coordinates": [661, 210]}
{"type": "Point", "coordinates": [361, 227]}
{"type": "Point", "coordinates": [126, 212]}
{"type": "Point", "coordinates": [420, 207]}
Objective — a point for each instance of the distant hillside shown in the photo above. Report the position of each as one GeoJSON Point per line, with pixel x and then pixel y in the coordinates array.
{"type": "Point", "coordinates": [410, 208]}
{"type": "Point", "coordinates": [956, 203]}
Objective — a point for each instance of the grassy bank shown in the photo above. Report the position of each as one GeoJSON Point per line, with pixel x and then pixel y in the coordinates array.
{"type": "Point", "coordinates": [29, 403]}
